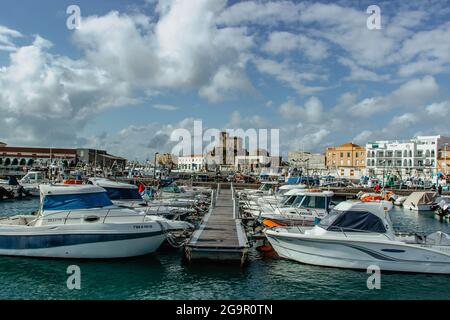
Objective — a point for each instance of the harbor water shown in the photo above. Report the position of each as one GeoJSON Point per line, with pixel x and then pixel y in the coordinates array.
{"type": "Point", "coordinates": [165, 276]}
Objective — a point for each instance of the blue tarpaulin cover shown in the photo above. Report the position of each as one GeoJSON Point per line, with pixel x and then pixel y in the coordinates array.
{"type": "Point", "coordinates": [76, 201]}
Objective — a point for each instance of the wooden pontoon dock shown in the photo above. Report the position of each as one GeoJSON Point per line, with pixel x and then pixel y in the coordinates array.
{"type": "Point", "coordinates": [221, 235]}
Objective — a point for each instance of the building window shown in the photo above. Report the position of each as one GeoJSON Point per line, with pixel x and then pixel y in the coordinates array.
{"type": "Point", "coordinates": [7, 161]}
{"type": "Point", "coordinates": [15, 162]}
{"type": "Point", "coordinates": [23, 162]}
{"type": "Point", "coordinates": [432, 153]}
{"type": "Point", "coordinates": [342, 154]}
{"type": "Point", "coordinates": [348, 154]}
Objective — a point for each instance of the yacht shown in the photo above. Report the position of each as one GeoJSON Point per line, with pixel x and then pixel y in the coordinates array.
{"type": "Point", "coordinates": [356, 235]}
{"type": "Point", "coordinates": [80, 221]}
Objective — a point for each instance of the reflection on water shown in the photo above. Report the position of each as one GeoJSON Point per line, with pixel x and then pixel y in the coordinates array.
{"type": "Point", "coordinates": [165, 276]}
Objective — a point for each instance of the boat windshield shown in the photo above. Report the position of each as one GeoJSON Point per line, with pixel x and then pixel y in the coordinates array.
{"type": "Point", "coordinates": [314, 202]}
{"type": "Point", "coordinates": [76, 201]}
{"type": "Point", "coordinates": [123, 194]}
{"type": "Point", "coordinates": [171, 188]}
{"type": "Point", "coordinates": [356, 221]}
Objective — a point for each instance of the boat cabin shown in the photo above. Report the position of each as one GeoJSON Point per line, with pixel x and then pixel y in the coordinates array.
{"type": "Point", "coordinates": [356, 216]}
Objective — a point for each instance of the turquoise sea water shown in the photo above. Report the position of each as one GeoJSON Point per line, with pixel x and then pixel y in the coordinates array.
{"type": "Point", "coordinates": [165, 276]}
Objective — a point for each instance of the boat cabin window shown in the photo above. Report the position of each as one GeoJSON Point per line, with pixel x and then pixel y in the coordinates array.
{"type": "Point", "coordinates": [314, 202]}
{"type": "Point", "coordinates": [76, 201]}
{"type": "Point", "coordinates": [357, 221]}
{"type": "Point", "coordinates": [123, 194]}
{"type": "Point", "coordinates": [289, 200]}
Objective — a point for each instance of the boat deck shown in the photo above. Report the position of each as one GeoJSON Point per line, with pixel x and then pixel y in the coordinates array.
{"type": "Point", "coordinates": [221, 235]}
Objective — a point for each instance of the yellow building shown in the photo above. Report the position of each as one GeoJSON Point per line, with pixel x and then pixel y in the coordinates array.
{"type": "Point", "coordinates": [348, 160]}
{"type": "Point", "coordinates": [443, 161]}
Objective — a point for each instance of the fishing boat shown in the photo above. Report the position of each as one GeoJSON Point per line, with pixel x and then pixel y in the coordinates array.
{"type": "Point", "coordinates": [357, 235]}
{"type": "Point", "coordinates": [79, 221]}
{"type": "Point", "coordinates": [420, 201]}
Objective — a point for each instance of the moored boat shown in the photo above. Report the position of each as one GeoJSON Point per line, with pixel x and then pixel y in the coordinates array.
{"type": "Point", "coordinates": [357, 235]}
{"type": "Point", "coordinates": [79, 221]}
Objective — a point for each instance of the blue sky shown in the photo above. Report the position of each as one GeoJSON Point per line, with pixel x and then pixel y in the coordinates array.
{"type": "Point", "coordinates": [137, 70]}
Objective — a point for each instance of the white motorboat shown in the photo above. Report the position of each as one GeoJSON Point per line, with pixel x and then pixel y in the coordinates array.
{"type": "Point", "coordinates": [357, 235]}
{"type": "Point", "coordinates": [127, 195]}
{"type": "Point", "coordinates": [32, 180]}
{"type": "Point", "coordinates": [420, 201]}
{"type": "Point", "coordinates": [266, 188]}
{"type": "Point", "coordinates": [80, 221]}
{"type": "Point", "coordinates": [304, 208]}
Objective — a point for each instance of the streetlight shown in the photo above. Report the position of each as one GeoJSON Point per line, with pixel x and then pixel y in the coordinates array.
{"type": "Point", "coordinates": [154, 166]}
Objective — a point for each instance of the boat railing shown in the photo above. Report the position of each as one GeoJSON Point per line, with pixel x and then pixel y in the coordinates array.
{"type": "Point", "coordinates": [342, 229]}
{"type": "Point", "coordinates": [67, 216]}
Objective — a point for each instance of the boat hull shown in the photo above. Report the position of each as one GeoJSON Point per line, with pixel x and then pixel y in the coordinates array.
{"type": "Point", "coordinates": [358, 255]}
{"type": "Point", "coordinates": [97, 243]}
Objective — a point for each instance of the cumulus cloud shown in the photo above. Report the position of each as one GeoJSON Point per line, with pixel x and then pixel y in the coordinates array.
{"type": "Point", "coordinates": [312, 111]}
{"type": "Point", "coordinates": [411, 94]}
{"type": "Point", "coordinates": [49, 98]}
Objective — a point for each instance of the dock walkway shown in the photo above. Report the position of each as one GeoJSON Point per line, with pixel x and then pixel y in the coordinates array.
{"type": "Point", "coordinates": [221, 235]}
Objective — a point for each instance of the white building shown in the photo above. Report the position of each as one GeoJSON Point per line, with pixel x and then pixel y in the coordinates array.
{"type": "Point", "coordinates": [405, 157]}
{"type": "Point", "coordinates": [193, 163]}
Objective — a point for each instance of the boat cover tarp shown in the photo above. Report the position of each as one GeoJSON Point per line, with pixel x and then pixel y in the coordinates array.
{"type": "Point", "coordinates": [353, 221]}
{"type": "Point", "coordinates": [76, 201]}
{"type": "Point", "coordinates": [418, 198]}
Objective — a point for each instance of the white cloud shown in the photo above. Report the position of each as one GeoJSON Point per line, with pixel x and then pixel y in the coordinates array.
{"type": "Point", "coordinates": [269, 13]}
{"type": "Point", "coordinates": [6, 38]}
{"type": "Point", "coordinates": [362, 137]}
{"type": "Point", "coordinates": [359, 73]}
{"type": "Point", "coordinates": [50, 98]}
{"type": "Point", "coordinates": [285, 43]}
{"type": "Point", "coordinates": [404, 120]}
{"type": "Point", "coordinates": [286, 73]}
{"type": "Point", "coordinates": [166, 107]}
{"type": "Point", "coordinates": [411, 94]}
{"type": "Point", "coordinates": [440, 110]}
{"type": "Point", "coordinates": [429, 52]}
{"type": "Point", "coordinates": [311, 112]}
{"type": "Point", "coordinates": [238, 121]}
{"type": "Point", "coordinates": [183, 50]}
